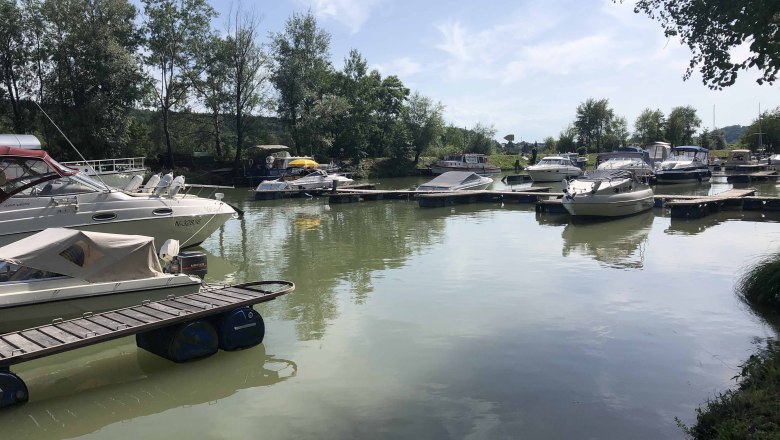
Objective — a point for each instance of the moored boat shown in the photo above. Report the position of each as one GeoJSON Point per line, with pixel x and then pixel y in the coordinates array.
{"type": "Point", "coordinates": [474, 162]}
{"type": "Point", "coordinates": [553, 169]}
{"type": "Point", "coordinates": [613, 193]}
{"type": "Point", "coordinates": [686, 164]}
{"type": "Point", "coordinates": [456, 181]}
{"type": "Point", "coordinates": [633, 159]}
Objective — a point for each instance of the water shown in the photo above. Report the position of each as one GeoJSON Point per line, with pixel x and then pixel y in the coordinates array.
{"type": "Point", "coordinates": [472, 321]}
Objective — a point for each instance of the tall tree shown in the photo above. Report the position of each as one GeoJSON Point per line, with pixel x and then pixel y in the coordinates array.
{"type": "Point", "coordinates": [211, 87]}
{"type": "Point", "coordinates": [425, 121]}
{"type": "Point", "coordinates": [94, 76]}
{"type": "Point", "coordinates": [566, 140]}
{"type": "Point", "coordinates": [14, 59]}
{"type": "Point", "coordinates": [712, 29]}
{"type": "Point", "coordinates": [247, 74]}
{"type": "Point", "coordinates": [175, 30]}
{"type": "Point", "coordinates": [681, 125]}
{"type": "Point", "coordinates": [768, 125]}
{"type": "Point", "coordinates": [649, 126]}
{"type": "Point", "coordinates": [301, 70]}
{"type": "Point", "coordinates": [481, 139]}
{"type": "Point", "coordinates": [592, 121]}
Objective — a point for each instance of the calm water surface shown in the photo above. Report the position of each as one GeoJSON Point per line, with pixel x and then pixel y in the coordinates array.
{"type": "Point", "coordinates": [472, 321]}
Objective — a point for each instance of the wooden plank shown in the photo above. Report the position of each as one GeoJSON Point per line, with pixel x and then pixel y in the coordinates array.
{"type": "Point", "coordinates": [105, 322]}
{"type": "Point", "coordinates": [126, 320]}
{"type": "Point", "coordinates": [72, 328]}
{"type": "Point", "coordinates": [194, 303]}
{"type": "Point", "coordinates": [220, 296]}
{"type": "Point", "coordinates": [6, 349]}
{"type": "Point", "coordinates": [181, 306]}
{"type": "Point", "coordinates": [239, 295]}
{"type": "Point", "coordinates": [167, 309]}
{"type": "Point", "coordinates": [210, 300]}
{"type": "Point", "coordinates": [21, 343]}
{"type": "Point", "coordinates": [41, 338]}
{"type": "Point", "coordinates": [138, 316]}
{"type": "Point", "coordinates": [57, 333]}
{"type": "Point", "coordinates": [155, 312]}
{"type": "Point", "coordinates": [92, 326]}
{"type": "Point", "coordinates": [252, 293]}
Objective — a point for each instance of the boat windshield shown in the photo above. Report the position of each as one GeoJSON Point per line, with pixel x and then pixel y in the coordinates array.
{"type": "Point", "coordinates": [26, 177]}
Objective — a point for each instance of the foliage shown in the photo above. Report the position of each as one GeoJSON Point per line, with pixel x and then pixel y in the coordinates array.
{"type": "Point", "coordinates": [425, 122]}
{"type": "Point", "coordinates": [769, 127]}
{"type": "Point", "coordinates": [566, 141]}
{"type": "Point", "coordinates": [713, 29]}
{"type": "Point", "coordinates": [681, 125]}
{"type": "Point", "coordinates": [592, 122]}
{"type": "Point", "coordinates": [761, 284]}
{"type": "Point", "coordinates": [480, 139]}
{"type": "Point", "coordinates": [649, 126]}
{"type": "Point", "coordinates": [750, 411]}
{"type": "Point", "coordinates": [712, 139]}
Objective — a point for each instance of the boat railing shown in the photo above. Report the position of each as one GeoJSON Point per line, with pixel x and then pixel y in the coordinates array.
{"type": "Point", "coordinates": [108, 166]}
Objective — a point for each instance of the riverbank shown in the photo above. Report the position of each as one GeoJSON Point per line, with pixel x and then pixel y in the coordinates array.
{"type": "Point", "coordinates": [752, 409]}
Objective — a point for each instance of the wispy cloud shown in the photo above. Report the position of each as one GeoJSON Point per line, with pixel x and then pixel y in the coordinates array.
{"type": "Point", "coordinates": [401, 67]}
{"type": "Point", "coordinates": [351, 13]}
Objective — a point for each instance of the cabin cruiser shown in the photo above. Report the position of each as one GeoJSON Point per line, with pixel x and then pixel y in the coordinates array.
{"type": "Point", "coordinates": [609, 193]}
{"type": "Point", "coordinates": [474, 162]}
{"type": "Point", "coordinates": [628, 158]}
{"type": "Point", "coordinates": [553, 169]}
{"type": "Point", "coordinates": [315, 179]}
{"type": "Point", "coordinates": [456, 181]}
{"type": "Point", "coordinates": [63, 273]}
{"type": "Point", "coordinates": [36, 192]}
{"type": "Point", "coordinates": [686, 164]}
{"type": "Point", "coordinates": [657, 152]}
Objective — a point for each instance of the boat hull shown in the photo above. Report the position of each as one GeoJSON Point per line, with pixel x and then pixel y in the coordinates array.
{"type": "Point", "coordinates": [683, 176]}
{"type": "Point", "coordinates": [612, 205]}
{"type": "Point", "coordinates": [73, 301]}
{"type": "Point", "coordinates": [486, 170]}
{"type": "Point", "coordinates": [553, 174]}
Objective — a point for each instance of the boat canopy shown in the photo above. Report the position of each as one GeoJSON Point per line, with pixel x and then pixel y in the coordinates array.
{"type": "Point", "coordinates": [90, 256]}
{"type": "Point", "coordinates": [453, 178]}
{"type": "Point", "coordinates": [21, 169]}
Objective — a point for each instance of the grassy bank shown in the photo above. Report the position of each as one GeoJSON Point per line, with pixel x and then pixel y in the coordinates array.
{"type": "Point", "coordinates": [752, 410]}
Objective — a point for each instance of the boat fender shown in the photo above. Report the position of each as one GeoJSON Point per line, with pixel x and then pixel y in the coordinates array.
{"type": "Point", "coordinates": [181, 343]}
{"type": "Point", "coordinates": [12, 389]}
{"type": "Point", "coordinates": [239, 328]}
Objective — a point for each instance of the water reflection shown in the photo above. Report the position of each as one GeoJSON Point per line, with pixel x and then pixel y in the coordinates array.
{"type": "Point", "coordinates": [86, 395]}
{"type": "Point", "coordinates": [683, 226]}
{"type": "Point", "coordinates": [617, 243]}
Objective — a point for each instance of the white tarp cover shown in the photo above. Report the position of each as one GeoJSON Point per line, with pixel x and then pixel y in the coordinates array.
{"type": "Point", "coordinates": [90, 256]}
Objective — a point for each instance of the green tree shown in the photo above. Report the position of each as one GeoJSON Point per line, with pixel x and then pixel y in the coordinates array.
{"type": "Point", "coordinates": [769, 127]}
{"type": "Point", "coordinates": [592, 122]}
{"type": "Point", "coordinates": [550, 144]}
{"type": "Point", "coordinates": [566, 140]}
{"type": "Point", "coordinates": [481, 140]}
{"type": "Point", "coordinates": [176, 31]}
{"type": "Point", "coordinates": [212, 89]}
{"type": "Point", "coordinates": [649, 126]}
{"type": "Point", "coordinates": [301, 72]}
{"type": "Point", "coordinates": [425, 122]}
{"type": "Point", "coordinates": [712, 29]}
{"type": "Point", "coordinates": [93, 76]}
{"type": "Point", "coordinates": [14, 59]}
{"type": "Point", "coordinates": [681, 125]}
{"type": "Point", "coordinates": [617, 133]}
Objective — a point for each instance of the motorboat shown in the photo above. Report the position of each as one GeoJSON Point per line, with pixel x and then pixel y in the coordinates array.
{"type": "Point", "coordinates": [271, 162]}
{"type": "Point", "coordinates": [456, 181]}
{"type": "Point", "coordinates": [64, 273]}
{"type": "Point", "coordinates": [474, 162]}
{"type": "Point", "coordinates": [657, 152]}
{"type": "Point", "coordinates": [633, 159]}
{"type": "Point", "coordinates": [312, 179]}
{"type": "Point", "coordinates": [36, 193]}
{"type": "Point", "coordinates": [686, 164]}
{"type": "Point", "coordinates": [609, 193]}
{"type": "Point", "coordinates": [553, 169]}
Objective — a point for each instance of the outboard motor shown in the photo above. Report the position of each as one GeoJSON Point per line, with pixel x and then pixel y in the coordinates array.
{"type": "Point", "coordinates": [191, 263]}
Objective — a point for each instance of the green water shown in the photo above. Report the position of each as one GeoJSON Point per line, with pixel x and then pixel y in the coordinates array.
{"type": "Point", "coordinates": [472, 321]}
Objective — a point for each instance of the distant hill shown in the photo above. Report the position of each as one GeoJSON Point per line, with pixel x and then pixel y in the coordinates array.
{"type": "Point", "coordinates": [732, 133]}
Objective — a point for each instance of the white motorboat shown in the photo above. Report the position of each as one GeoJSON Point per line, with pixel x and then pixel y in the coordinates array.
{"type": "Point", "coordinates": [631, 159]}
{"type": "Point", "coordinates": [474, 162]}
{"type": "Point", "coordinates": [456, 181]}
{"type": "Point", "coordinates": [687, 164]}
{"type": "Point", "coordinates": [315, 179]}
{"type": "Point", "coordinates": [614, 193]}
{"type": "Point", "coordinates": [553, 169]}
{"type": "Point", "coordinates": [64, 273]}
{"type": "Point", "coordinates": [37, 193]}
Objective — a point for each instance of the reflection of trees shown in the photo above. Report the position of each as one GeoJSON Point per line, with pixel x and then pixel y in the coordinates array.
{"type": "Point", "coordinates": [683, 226]}
{"type": "Point", "coordinates": [84, 399]}
{"type": "Point", "coordinates": [318, 247]}
{"type": "Point", "coordinates": [616, 243]}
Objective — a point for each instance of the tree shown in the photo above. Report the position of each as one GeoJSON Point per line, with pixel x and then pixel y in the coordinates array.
{"type": "Point", "coordinates": [550, 144]}
{"type": "Point", "coordinates": [649, 126]}
{"type": "Point", "coordinates": [14, 59]}
{"type": "Point", "coordinates": [301, 71]}
{"type": "Point", "coordinates": [681, 125]}
{"type": "Point", "coordinates": [712, 29]}
{"type": "Point", "coordinates": [592, 121]}
{"type": "Point", "coordinates": [425, 123]}
{"type": "Point", "coordinates": [566, 140]}
{"type": "Point", "coordinates": [212, 87]}
{"type": "Point", "coordinates": [481, 139]}
{"type": "Point", "coordinates": [768, 125]}
{"type": "Point", "coordinates": [247, 74]}
{"type": "Point", "coordinates": [176, 31]}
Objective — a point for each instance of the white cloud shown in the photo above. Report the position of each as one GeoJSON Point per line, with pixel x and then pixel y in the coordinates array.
{"type": "Point", "coordinates": [351, 13]}
{"type": "Point", "coordinates": [401, 67]}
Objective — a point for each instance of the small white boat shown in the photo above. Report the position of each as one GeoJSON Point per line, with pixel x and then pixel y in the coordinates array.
{"type": "Point", "coordinates": [37, 192]}
{"type": "Point", "coordinates": [607, 194]}
{"type": "Point", "coordinates": [628, 158]}
{"type": "Point", "coordinates": [687, 164]}
{"type": "Point", "coordinates": [63, 273]}
{"type": "Point", "coordinates": [474, 162]}
{"type": "Point", "coordinates": [553, 169]}
{"type": "Point", "coordinates": [315, 179]}
{"type": "Point", "coordinates": [456, 181]}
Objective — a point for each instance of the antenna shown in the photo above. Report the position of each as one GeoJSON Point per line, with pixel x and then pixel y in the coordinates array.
{"type": "Point", "coordinates": [71, 144]}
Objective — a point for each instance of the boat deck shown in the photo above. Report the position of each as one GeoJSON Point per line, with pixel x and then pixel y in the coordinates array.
{"type": "Point", "coordinates": [62, 336]}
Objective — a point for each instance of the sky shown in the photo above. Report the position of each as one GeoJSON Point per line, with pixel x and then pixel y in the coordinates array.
{"type": "Point", "coordinates": [524, 66]}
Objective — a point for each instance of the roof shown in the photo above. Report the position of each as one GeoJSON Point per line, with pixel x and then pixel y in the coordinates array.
{"type": "Point", "coordinates": [90, 256]}
{"type": "Point", "coordinates": [26, 141]}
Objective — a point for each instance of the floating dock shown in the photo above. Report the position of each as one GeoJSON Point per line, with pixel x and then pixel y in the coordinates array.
{"type": "Point", "coordinates": [274, 194]}
{"type": "Point", "coordinates": [698, 207]}
{"type": "Point", "coordinates": [178, 328]}
{"type": "Point", "coordinates": [757, 176]}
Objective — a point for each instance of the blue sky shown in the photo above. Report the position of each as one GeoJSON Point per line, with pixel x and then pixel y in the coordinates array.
{"type": "Point", "coordinates": [521, 66]}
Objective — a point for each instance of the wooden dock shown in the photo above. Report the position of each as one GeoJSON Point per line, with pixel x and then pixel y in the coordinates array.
{"type": "Point", "coordinates": [274, 194]}
{"type": "Point", "coordinates": [144, 319]}
{"type": "Point", "coordinates": [697, 207]}
{"type": "Point", "coordinates": [757, 176]}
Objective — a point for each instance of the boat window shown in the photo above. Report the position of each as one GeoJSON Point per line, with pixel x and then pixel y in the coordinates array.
{"type": "Point", "coordinates": [59, 187]}
{"type": "Point", "coordinates": [12, 272]}
{"type": "Point", "coordinates": [20, 172]}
